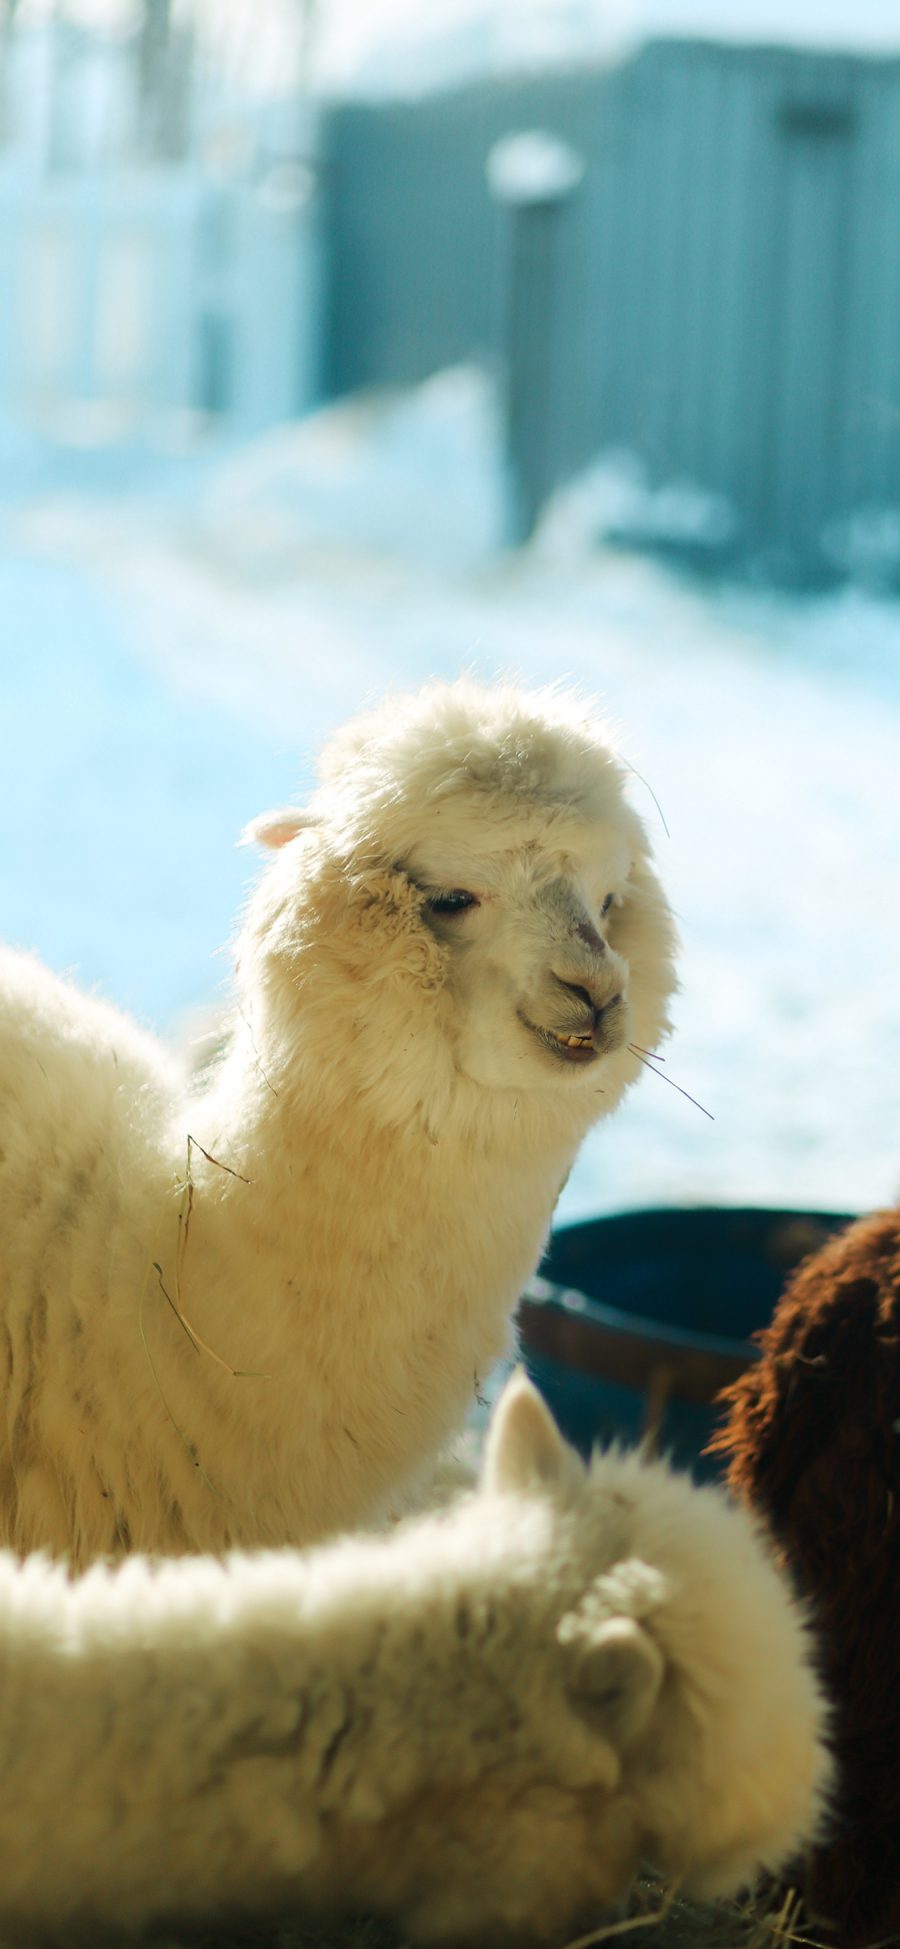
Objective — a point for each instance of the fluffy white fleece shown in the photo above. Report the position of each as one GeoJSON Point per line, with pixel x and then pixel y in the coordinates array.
{"type": "Point", "coordinates": [251, 1315]}
{"type": "Point", "coordinates": [478, 1723]}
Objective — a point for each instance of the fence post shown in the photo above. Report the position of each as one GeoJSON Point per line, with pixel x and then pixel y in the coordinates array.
{"type": "Point", "coordinates": [532, 175]}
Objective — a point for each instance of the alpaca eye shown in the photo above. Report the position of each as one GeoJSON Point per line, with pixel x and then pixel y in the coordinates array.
{"type": "Point", "coordinates": [607, 904]}
{"type": "Point", "coordinates": [455, 902]}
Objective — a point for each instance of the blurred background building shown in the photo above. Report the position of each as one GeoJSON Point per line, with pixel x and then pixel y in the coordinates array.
{"type": "Point", "coordinates": [717, 293]}
{"type": "Point", "coordinates": [712, 289]}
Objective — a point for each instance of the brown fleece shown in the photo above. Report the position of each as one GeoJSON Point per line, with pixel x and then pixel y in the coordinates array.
{"type": "Point", "coordinates": [813, 1437]}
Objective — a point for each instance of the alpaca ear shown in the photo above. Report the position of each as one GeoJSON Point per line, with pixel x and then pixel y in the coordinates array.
{"type": "Point", "coordinates": [615, 1676]}
{"type": "Point", "coordinates": [275, 829]}
{"type": "Point", "coordinates": [524, 1448]}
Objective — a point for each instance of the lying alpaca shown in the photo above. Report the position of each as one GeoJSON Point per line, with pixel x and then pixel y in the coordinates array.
{"type": "Point", "coordinates": [252, 1315]}
{"type": "Point", "coordinates": [812, 1434]}
{"type": "Point", "coordinates": [479, 1723]}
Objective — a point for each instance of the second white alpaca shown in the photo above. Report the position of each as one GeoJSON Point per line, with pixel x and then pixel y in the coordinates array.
{"type": "Point", "coordinates": [480, 1723]}
{"type": "Point", "coordinates": [251, 1315]}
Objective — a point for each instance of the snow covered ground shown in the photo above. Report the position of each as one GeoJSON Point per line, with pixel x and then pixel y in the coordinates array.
{"type": "Point", "coordinates": [174, 650]}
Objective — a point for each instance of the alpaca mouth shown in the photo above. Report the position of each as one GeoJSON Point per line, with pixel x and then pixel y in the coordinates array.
{"type": "Point", "coordinates": [569, 1048]}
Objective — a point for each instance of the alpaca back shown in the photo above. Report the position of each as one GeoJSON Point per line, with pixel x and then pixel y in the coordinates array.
{"type": "Point", "coordinates": [478, 1724]}
{"type": "Point", "coordinates": [84, 1102]}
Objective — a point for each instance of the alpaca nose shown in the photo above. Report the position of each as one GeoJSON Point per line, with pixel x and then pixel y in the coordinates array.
{"type": "Point", "coordinates": [595, 1004]}
{"type": "Point", "coordinates": [581, 994]}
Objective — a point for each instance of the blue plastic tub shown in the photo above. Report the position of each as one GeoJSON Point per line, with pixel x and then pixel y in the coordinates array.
{"type": "Point", "coordinates": [637, 1321]}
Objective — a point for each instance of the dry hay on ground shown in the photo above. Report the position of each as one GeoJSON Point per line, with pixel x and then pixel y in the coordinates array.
{"type": "Point", "coordinates": [773, 1920]}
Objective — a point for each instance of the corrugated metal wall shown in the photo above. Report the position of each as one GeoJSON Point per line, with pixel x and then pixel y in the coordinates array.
{"type": "Point", "coordinates": [727, 278]}
{"type": "Point", "coordinates": [414, 232]}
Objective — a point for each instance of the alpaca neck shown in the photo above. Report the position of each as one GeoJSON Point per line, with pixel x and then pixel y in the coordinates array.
{"type": "Point", "coordinates": [365, 1264]}
{"type": "Point", "coordinates": [285, 1178]}
{"type": "Point", "coordinates": [293, 1129]}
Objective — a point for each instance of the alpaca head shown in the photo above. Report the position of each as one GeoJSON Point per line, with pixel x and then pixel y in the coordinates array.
{"type": "Point", "coordinates": [682, 1648]}
{"type": "Point", "coordinates": [470, 865]}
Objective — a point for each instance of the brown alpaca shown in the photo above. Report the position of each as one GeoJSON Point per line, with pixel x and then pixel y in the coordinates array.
{"type": "Point", "coordinates": [813, 1436]}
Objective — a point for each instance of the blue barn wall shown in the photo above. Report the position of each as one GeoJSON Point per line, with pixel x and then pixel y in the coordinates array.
{"type": "Point", "coordinates": [726, 279]}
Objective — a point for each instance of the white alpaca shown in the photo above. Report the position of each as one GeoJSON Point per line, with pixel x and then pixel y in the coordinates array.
{"type": "Point", "coordinates": [439, 977]}
{"type": "Point", "coordinates": [479, 1723]}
